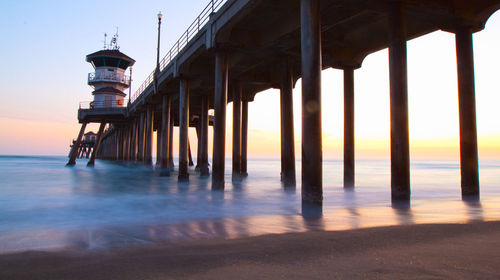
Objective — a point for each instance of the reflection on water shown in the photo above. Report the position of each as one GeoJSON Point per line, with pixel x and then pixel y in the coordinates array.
{"type": "Point", "coordinates": [44, 205]}
{"type": "Point", "coordinates": [403, 211]}
{"type": "Point", "coordinates": [474, 210]}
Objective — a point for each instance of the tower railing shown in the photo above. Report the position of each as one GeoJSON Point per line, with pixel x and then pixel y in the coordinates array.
{"type": "Point", "coordinates": [108, 77]}
{"type": "Point", "coordinates": [189, 34]}
{"type": "Point", "coordinates": [86, 105]}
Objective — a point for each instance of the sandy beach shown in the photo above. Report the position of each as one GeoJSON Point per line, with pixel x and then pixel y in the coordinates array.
{"type": "Point", "coordinates": [443, 251]}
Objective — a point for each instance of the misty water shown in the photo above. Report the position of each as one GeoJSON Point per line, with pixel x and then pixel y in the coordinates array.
{"type": "Point", "coordinates": [46, 206]}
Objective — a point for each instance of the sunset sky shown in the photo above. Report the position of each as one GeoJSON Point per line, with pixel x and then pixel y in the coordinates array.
{"type": "Point", "coordinates": [44, 78]}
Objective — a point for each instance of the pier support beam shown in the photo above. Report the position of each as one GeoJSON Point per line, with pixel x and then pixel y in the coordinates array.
{"type": "Point", "coordinates": [148, 146]}
{"type": "Point", "coordinates": [112, 145]}
{"type": "Point", "coordinates": [190, 155]}
{"type": "Point", "coordinates": [400, 139]}
{"type": "Point", "coordinates": [97, 144]}
{"type": "Point", "coordinates": [171, 143]}
{"type": "Point", "coordinates": [74, 150]}
{"type": "Point", "coordinates": [220, 100]}
{"type": "Point", "coordinates": [137, 138]}
{"type": "Point", "coordinates": [105, 149]}
{"type": "Point", "coordinates": [183, 130]}
{"type": "Point", "coordinates": [123, 141]}
{"type": "Point", "coordinates": [236, 92]}
{"type": "Point", "coordinates": [244, 137]}
{"type": "Point", "coordinates": [101, 153]}
{"type": "Point", "coordinates": [133, 140]}
{"type": "Point", "coordinates": [80, 150]}
{"type": "Point", "coordinates": [129, 141]}
{"type": "Point", "coordinates": [112, 152]}
{"type": "Point", "coordinates": [349, 159]}
{"type": "Point", "coordinates": [288, 145]}
{"type": "Point", "coordinates": [119, 143]}
{"type": "Point", "coordinates": [124, 130]}
{"type": "Point", "coordinates": [198, 144]}
{"type": "Point", "coordinates": [158, 146]}
{"type": "Point", "coordinates": [165, 136]}
{"type": "Point", "coordinates": [141, 139]}
{"type": "Point", "coordinates": [467, 110]}
{"type": "Point", "coordinates": [312, 151]}
{"type": "Point", "coordinates": [203, 148]}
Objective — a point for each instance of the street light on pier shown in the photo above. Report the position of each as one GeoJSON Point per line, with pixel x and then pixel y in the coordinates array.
{"type": "Point", "coordinates": [157, 70]}
{"type": "Point", "coordinates": [158, 48]}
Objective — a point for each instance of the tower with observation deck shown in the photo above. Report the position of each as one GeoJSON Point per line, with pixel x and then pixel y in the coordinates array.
{"type": "Point", "coordinates": [109, 81]}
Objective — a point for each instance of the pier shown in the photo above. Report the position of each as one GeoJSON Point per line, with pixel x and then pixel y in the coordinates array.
{"type": "Point", "coordinates": [238, 48]}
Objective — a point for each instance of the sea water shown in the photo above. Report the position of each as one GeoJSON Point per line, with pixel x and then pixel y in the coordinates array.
{"type": "Point", "coordinates": [46, 206]}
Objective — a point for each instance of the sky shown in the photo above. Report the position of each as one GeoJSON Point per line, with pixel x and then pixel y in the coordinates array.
{"type": "Point", "coordinates": [44, 77]}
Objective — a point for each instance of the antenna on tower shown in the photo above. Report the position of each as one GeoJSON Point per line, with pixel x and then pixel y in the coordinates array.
{"type": "Point", "coordinates": [105, 35]}
{"type": "Point", "coordinates": [114, 41]}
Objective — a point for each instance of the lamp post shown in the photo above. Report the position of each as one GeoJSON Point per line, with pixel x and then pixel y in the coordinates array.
{"type": "Point", "coordinates": [157, 70]}
{"type": "Point", "coordinates": [158, 48]}
{"type": "Point", "coordinates": [130, 88]}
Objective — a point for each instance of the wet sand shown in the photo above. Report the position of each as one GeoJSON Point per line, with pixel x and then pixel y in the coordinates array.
{"type": "Point", "coordinates": [446, 251]}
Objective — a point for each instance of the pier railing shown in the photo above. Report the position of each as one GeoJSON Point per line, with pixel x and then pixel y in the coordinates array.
{"type": "Point", "coordinates": [190, 33]}
{"type": "Point", "coordinates": [108, 77]}
{"type": "Point", "coordinates": [103, 104]}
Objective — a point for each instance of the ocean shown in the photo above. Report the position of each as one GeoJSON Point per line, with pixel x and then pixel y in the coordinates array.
{"type": "Point", "coordinates": [45, 205]}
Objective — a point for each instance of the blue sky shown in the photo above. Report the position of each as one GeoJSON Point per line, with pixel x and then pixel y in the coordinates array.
{"type": "Point", "coordinates": [45, 42]}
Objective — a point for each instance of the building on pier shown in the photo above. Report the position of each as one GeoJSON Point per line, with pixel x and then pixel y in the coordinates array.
{"type": "Point", "coordinates": [86, 146]}
{"type": "Point", "coordinates": [109, 81]}
{"type": "Point", "coordinates": [90, 137]}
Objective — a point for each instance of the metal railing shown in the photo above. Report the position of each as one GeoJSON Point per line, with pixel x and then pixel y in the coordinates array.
{"type": "Point", "coordinates": [190, 33]}
{"type": "Point", "coordinates": [109, 77]}
{"type": "Point", "coordinates": [103, 104]}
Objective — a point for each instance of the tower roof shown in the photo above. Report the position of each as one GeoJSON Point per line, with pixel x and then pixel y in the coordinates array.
{"type": "Point", "coordinates": [108, 90]}
{"type": "Point", "coordinates": [112, 58]}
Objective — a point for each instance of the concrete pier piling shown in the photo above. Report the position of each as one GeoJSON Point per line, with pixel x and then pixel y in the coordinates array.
{"type": "Point", "coordinates": [236, 92]}
{"type": "Point", "coordinates": [97, 144]}
{"type": "Point", "coordinates": [349, 160]}
{"type": "Point", "coordinates": [203, 162]}
{"type": "Point", "coordinates": [467, 111]}
{"type": "Point", "coordinates": [158, 147]}
{"type": "Point", "coordinates": [220, 101]}
{"type": "Point", "coordinates": [164, 142]}
{"type": "Point", "coordinates": [312, 151]}
{"type": "Point", "coordinates": [183, 130]}
{"type": "Point", "coordinates": [171, 143]}
{"type": "Point", "coordinates": [119, 143]}
{"type": "Point", "coordinates": [142, 135]}
{"type": "Point", "coordinates": [198, 144]}
{"type": "Point", "coordinates": [148, 145]}
{"type": "Point", "coordinates": [129, 141]}
{"type": "Point", "coordinates": [244, 137]}
{"type": "Point", "coordinates": [190, 155]}
{"type": "Point", "coordinates": [400, 137]}
{"type": "Point", "coordinates": [74, 150]}
{"type": "Point", "coordinates": [123, 143]}
{"type": "Point", "coordinates": [287, 142]}
{"type": "Point", "coordinates": [133, 148]}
